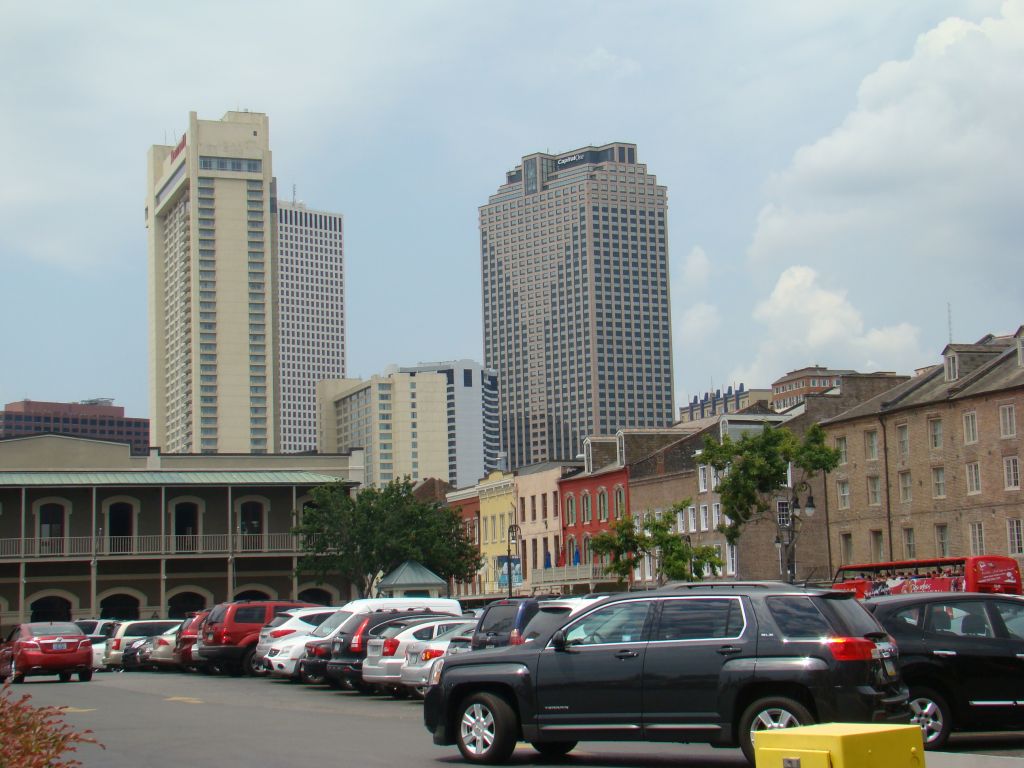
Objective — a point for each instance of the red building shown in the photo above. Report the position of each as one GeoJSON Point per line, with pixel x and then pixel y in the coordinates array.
{"type": "Point", "coordinates": [99, 419]}
{"type": "Point", "coordinates": [467, 503]}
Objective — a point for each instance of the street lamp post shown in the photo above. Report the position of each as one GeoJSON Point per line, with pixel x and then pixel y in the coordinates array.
{"type": "Point", "coordinates": [515, 533]}
{"type": "Point", "coordinates": [789, 531]}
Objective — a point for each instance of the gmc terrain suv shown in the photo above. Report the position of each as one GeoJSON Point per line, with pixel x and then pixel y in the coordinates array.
{"type": "Point", "coordinates": [692, 663]}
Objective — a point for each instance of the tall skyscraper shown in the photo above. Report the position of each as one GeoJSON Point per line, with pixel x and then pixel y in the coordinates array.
{"type": "Point", "coordinates": [310, 291]}
{"type": "Point", "coordinates": [210, 215]}
{"type": "Point", "coordinates": [574, 256]}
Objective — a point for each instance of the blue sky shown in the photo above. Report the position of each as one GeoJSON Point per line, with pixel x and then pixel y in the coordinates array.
{"type": "Point", "coordinates": [837, 172]}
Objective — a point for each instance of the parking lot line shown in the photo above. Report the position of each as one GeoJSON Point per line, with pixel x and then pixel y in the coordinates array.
{"type": "Point", "coordinates": [184, 700]}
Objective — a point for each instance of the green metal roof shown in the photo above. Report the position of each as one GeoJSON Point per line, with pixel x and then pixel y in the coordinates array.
{"type": "Point", "coordinates": [278, 477]}
{"type": "Point", "coordinates": [411, 574]}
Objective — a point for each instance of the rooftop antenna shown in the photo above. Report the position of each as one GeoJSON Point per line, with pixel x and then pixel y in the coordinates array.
{"type": "Point", "coordinates": [949, 320]}
{"type": "Point", "coordinates": [293, 194]}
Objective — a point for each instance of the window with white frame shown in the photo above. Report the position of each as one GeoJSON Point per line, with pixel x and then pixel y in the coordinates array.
{"type": "Point", "coordinates": [783, 516]}
{"type": "Point", "coordinates": [941, 540]}
{"type": "Point", "coordinates": [909, 545]}
{"type": "Point", "coordinates": [952, 368]}
{"type": "Point", "coordinates": [587, 513]}
{"type": "Point", "coordinates": [730, 558]}
{"type": "Point", "coordinates": [716, 515]}
{"type": "Point", "coordinates": [970, 427]}
{"type": "Point", "coordinates": [1007, 421]}
{"type": "Point", "coordinates": [843, 492]}
{"type": "Point", "coordinates": [1015, 536]}
{"type": "Point", "coordinates": [874, 491]}
{"type": "Point", "coordinates": [973, 477]}
{"type": "Point", "coordinates": [680, 521]}
{"type": "Point", "coordinates": [877, 544]}
{"type": "Point", "coordinates": [934, 433]}
{"type": "Point", "coordinates": [938, 482]}
{"type": "Point", "coordinates": [1011, 473]}
{"type": "Point", "coordinates": [903, 439]}
{"type": "Point", "coordinates": [871, 445]}
{"type": "Point", "coordinates": [978, 538]}
{"type": "Point", "coordinates": [906, 487]}
{"type": "Point", "coordinates": [702, 478]}
{"type": "Point", "coordinates": [693, 518]}
{"type": "Point", "coordinates": [841, 447]}
{"type": "Point", "coordinates": [715, 479]}
{"type": "Point", "coordinates": [703, 517]}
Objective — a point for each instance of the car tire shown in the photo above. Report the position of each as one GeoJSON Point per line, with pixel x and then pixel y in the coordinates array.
{"type": "Point", "coordinates": [770, 713]}
{"type": "Point", "coordinates": [929, 710]}
{"type": "Point", "coordinates": [85, 677]}
{"type": "Point", "coordinates": [334, 683]}
{"type": "Point", "coordinates": [251, 666]}
{"type": "Point", "coordinates": [360, 686]}
{"type": "Point", "coordinates": [399, 692]}
{"type": "Point", "coordinates": [418, 692]}
{"type": "Point", "coordinates": [486, 729]}
{"type": "Point", "coordinates": [64, 677]}
{"type": "Point", "coordinates": [308, 679]}
{"type": "Point", "coordinates": [552, 749]}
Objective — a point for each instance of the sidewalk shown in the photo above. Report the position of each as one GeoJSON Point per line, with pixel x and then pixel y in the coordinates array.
{"type": "Point", "coordinates": [969, 760]}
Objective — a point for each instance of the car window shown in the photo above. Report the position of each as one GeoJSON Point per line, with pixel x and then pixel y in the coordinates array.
{"type": "Point", "coordinates": [87, 626]}
{"type": "Point", "coordinates": [547, 620]}
{"type": "Point", "coordinates": [424, 634]}
{"type": "Point", "coordinates": [56, 628]}
{"type": "Point", "coordinates": [250, 614]}
{"type": "Point", "coordinates": [964, 618]}
{"type": "Point", "coordinates": [699, 619]}
{"type": "Point", "coordinates": [906, 620]}
{"type": "Point", "coordinates": [852, 617]}
{"type": "Point", "coordinates": [1012, 615]}
{"type": "Point", "coordinates": [618, 623]}
{"type": "Point", "coordinates": [280, 619]}
{"type": "Point", "coordinates": [147, 628]}
{"type": "Point", "coordinates": [498, 619]}
{"type": "Point", "coordinates": [315, 619]}
{"type": "Point", "coordinates": [330, 624]}
{"type": "Point", "coordinates": [798, 617]}
{"type": "Point", "coordinates": [12, 635]}
{"type": "Point", "coordinates": [456, 629]}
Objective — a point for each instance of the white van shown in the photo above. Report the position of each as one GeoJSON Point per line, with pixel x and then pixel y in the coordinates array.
{"type": "Point", "coordinates": [372, 604]}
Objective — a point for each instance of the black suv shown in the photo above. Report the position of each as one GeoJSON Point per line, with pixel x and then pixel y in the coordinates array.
{"type": "Point", "coordinates": [962, 656]}
{"type": "Point", "coordinates": [503, 621]}
{"type": "Point", "coordinates": [692, 663]}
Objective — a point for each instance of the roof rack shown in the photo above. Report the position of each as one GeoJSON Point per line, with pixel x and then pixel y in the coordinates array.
{"type": "Point", "coordinates": [728, 585]}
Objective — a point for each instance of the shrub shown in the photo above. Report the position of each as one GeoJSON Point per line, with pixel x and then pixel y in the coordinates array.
{"type": "Point", "coordinates": [36, 737]}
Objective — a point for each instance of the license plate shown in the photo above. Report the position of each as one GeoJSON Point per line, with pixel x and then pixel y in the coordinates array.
{"type": "Point", "coordinates": [890, 668]}
{"type": "Point", "coordinates": [60, 646]}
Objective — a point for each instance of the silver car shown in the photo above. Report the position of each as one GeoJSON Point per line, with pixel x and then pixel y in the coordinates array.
{"type": "Point", "coordinates": [385, 653]}
{"type": "Point", "coordinates": [420, 655]}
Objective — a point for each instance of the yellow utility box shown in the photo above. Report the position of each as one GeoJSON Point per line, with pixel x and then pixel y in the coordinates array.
{"type": "Point", "coordinates": [840, 745]}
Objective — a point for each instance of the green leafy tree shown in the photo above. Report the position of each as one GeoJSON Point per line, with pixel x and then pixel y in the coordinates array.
{"type": "Point", "coordinates": [362, 537]}
{"type": "Point", "coordinates": [754, 469]}
{"type": "Point", "coordinates": [675, 558]}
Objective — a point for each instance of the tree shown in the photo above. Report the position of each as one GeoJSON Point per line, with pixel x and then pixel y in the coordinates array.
{"type": "Point", "coordinates": [675, 558]}
{"type": "Point", "coordinates": [755, 468]}
{"type": "Point", "coordinates": [362, 537]}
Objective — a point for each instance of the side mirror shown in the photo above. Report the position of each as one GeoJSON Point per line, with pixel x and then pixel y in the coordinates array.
{"type": "Point", "coordinates": [558, 640]}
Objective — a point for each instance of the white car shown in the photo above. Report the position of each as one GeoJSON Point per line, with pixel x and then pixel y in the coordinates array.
{"type": "Point", "coordinates": [385, 653]}
{"type": "Point", "coordinates": [420, 655]}
{"type": "Point", "coordinates": [282, 660]}
{"type": "Point", "coordinates": [293, 622]}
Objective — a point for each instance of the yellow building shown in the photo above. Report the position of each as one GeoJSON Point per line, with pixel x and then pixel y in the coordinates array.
{"type": "Point", "coordinates": [497, 512]}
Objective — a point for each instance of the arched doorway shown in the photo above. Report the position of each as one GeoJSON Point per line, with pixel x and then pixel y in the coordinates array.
{"type": "Point", "coordinates": [316, 595]}
{"type": "Point", "coordinates": [51, 608]}
{"type": "Point", "coordinates": [119, 606]}
{"type": "Point", "coordinates": [184, 603]}
{"type": "Point", "coordinates": [252, 594]}
{"type": "Point", "coordinates": [120, 527]}
{"type": "Point", "coordinates": [186, 526]}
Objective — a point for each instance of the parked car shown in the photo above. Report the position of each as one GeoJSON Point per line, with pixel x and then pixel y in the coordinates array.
{"type": "Point", "coordinates": [385, 651]}
{"type": "Point", "coordinates": [232, 631]}
{"type": "Point", "coordinates": [290, 625]}
{"type": "Point", "coordinates": [419, 656]}
{"type": "Point", "coordinates": [131, 660]}
{"type": "Point", "coordinates": [962, 656]}
{"type": "Point", "coordinates": [502, 622]}
{"type": "Point", "coordinates": [553, 613]}
{"type": "Point", "coordinates": [185, 639]}
{"type": "Point", "coordinates": [97, 627]}
{"type": "Point", "coordinates": [129, 631]}
{"type": "Point", "coordinates": [99, 650]}
{"type": "Point", "coordinates": [158, 651]}
{"type": "Point", "coordinates": [748, 656]}
{"type": "Point", "coordinates": [46, 648]}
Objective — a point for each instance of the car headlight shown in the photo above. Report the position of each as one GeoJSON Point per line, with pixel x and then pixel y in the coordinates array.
{"type": "Point", "coordinates": [435, 672]}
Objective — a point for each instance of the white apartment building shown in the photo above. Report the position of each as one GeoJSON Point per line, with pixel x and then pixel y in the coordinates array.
{"type": "Point", "coordinates": [431, 420]}
{"type": "Point", "coordinates": [210, 225]}
{"type": "Point", "coordinates": [310, 290]}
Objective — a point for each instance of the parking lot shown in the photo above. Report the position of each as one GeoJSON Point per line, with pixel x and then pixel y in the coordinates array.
{"type": "Point", "coordinates": [173, 719]}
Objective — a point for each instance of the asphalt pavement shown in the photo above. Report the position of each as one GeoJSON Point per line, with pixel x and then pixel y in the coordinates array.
{"type": "Point", "coordinates": [167, 720]}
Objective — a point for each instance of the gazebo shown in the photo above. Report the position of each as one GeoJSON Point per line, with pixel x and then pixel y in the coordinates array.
{"type": "Point", "coordinates": [412, 579]}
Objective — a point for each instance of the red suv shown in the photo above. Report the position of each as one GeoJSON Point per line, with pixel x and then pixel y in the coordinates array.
{"type": "Point", "coordinates": [233, 629]}
{"type": "Point", "coordinates": [46, 648]}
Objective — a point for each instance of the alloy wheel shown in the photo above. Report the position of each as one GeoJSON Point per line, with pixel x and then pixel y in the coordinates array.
{"type": "Point", "coordinates": [477, 728]}
{"type": "Point", "coordinates": [928, 716]}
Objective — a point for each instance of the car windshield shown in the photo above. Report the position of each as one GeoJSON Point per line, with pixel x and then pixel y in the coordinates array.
{"type": "Point", "coordinates": [217, 614]}
{"type": "Point", "coordinates": [458, 629]}
{"type": "Point", "coordinates": [547, 620]}
{"type": "Point", "coordinates": [330, 624]}
{"type": "Point", "coordinates": [87, 626]}
{"type": "Point", "coordinates": [858, 620]}
{"type": "Point", "coordinates": [55, 628]}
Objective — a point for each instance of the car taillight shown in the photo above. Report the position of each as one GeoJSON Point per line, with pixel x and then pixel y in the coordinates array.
{"type": "Point", "coordinates": [852, 648]}
{"type": "Point", "coordinates": [321, 651]}
{"type": "Point", "coordinates": [221, 635]}
{"type": "Point", "coordinates": [86, 643]}
{"type": "Point", "coordinates": [161, 641]}
{"type": "Point", "coordinates": [280, 632]}
{"type": "Point", "coordinates": [358, 643]}
{"type": "Point", "coordinates": [117, 644]}
{"type": "Point", "coordinates": [29, 645]}
{"type": "Point", "coordinates": [431, 653]}
{"type": "Point", "coordinates": [390, 647]}
{"type": "Point", "coordinates": [516, 638]}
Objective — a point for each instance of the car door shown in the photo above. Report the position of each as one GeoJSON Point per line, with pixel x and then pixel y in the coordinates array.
{"type": "Point", "coordinates": [979, 663]}
{"type": "Point", "coordinates": [594, 686]}
{"type": "Point", "coordinates": [1007, 617]}
{"type": "Point", "coordinates": [693, 639]}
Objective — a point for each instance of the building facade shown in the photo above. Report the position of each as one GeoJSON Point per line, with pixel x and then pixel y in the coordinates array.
{"type": "Point", "coordinates": [210, 214]}
{"type": "Point", "coordinates": [574, 262]}
{"type": "Point", "coordinates": [791, 389]}
{"type": "Point", "coordinates": [89, 530]}
{"type": "Point", "coordinates": [718, 402]}
{"type": "Point", "coordinates": [931, 467]}
{"type": "Point", "coordinates": [310, 317]}
{"type": "Point", "coordinates": [430, 420]}
{"type": "Point", "coordinates": [98, 418]}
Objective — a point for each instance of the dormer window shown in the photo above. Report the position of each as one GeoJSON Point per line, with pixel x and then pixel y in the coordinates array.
{"type": "Point", "coordinates": [588, 457]}
{"type": "Point", "coordinates": [952, 367]}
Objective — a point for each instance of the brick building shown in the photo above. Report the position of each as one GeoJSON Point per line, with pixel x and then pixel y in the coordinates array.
{"type": "Point", "coordinates": [98, 418]}
{"type": "Point", "coordinates": [931, 467]}
{"type": "Point", "coordinates": [792, 388]}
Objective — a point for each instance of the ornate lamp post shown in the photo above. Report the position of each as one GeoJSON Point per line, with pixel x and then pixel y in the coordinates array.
{"type": "Point", "coordinates": [789, 531]}
{"type": "Point", "coordinates": [515, 533]}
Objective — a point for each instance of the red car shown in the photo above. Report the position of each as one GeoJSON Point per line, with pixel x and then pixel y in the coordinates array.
{"type": "Point", "coordinates": [46, 648]}
{"type": "Point", "coordinates": [186, 638]}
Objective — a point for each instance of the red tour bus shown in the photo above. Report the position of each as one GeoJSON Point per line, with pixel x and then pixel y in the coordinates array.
{"type": "Point", "coordinates": [982, 573]}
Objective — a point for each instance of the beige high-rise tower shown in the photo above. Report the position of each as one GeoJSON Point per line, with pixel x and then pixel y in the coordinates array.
{"type": "Point", "coordinates": [212, 265]}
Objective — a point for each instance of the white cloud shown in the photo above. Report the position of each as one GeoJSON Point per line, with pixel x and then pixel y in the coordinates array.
{"type": "Point", "coordinates": [803, 323]}
{"type": "Point", "coordinates": [601, 61]}
{"type": "Point", "coordinates": [914, 199]}
{"type": "Point", "coordinates": [696, 323]}
{"type": "Point", "coordinates": [696, 269]}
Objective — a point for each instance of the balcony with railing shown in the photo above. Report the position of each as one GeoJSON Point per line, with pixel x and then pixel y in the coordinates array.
{"type": "Point", "coordinates": [570, 574]}
{"type": "Point", "coordinates": [168, 545]}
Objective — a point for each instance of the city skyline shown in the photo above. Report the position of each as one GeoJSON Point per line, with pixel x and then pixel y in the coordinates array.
{"type": "Point", "coordinates": [836, 172]}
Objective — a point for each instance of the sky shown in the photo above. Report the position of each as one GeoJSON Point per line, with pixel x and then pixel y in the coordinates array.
{"type": "Point", "coordinates": [845, 179]}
